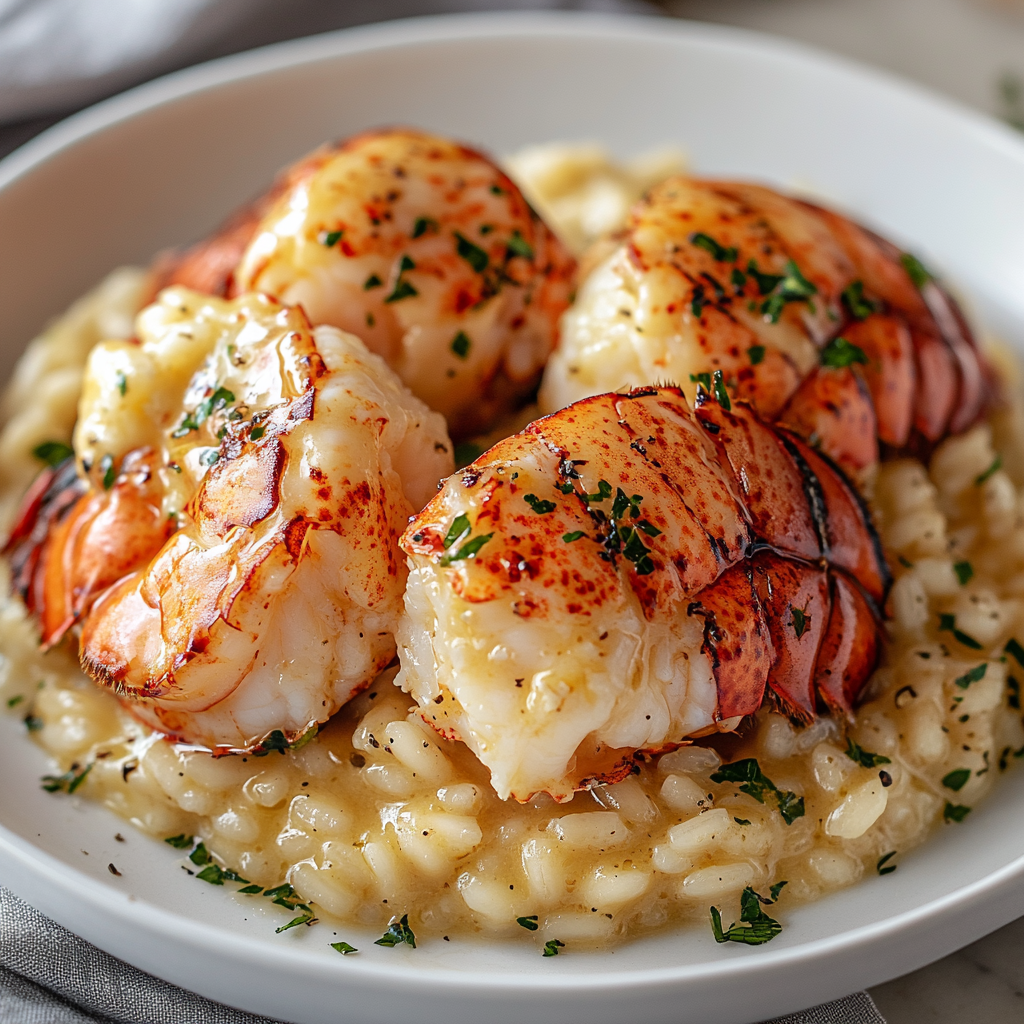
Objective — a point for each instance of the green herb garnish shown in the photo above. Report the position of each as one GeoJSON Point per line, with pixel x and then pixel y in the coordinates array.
{"type": "Point", "coordinates": [721, 394]}
{"type": "Point", "coordinates": [964, 571]}
{"type": "Point", "coordinates": [461, 344]}
{"type": "Point", "coordinates": [955, 812]}
{"type": "Point", "coordinates": [916, 270]}
{"type": "Point", "coordinates": [33, 723]}
{"type": "Point", "coordinates": [53, 453]}
{"type": "Point", "coordinates": [755, 783]}
{"type": "Point", "coordinates": [518, 246]}
{"type": "Point", "coordinates": [853, 298]}
{"type": "Point", "coordinates": [742, 821]}
{"type": "Point", "coordinates": [1015, 650]}
{"type": "Point", "coordinates": [200, 855]}
{"type": "Point", "coordinates": [863, 757]}
{"type": "Point", "coordinates": [472, 254]}
{"type": "Point", "coordinates": [957, 779]}
{"type": "Point", "coordinates": [976, 673]}
{"type": "Point", "coordinates": [423, 225]}
{"type": "Point", "coordinates": [181, 842]}
{"type": "Point", "coordinates": [343, 947]}
{"type": "Point", "coordinates": [709, 245]}
{"type": "Point", "coordinates": [801, 620]}
{"type": "Point", "coordinates": [121, 381]}
{"type": "Point", "coordinates": [108, 471]}
{"type": "Point", "coordinates": [397, 933]}
{"type": "Point", "coordinates": [13, 702]}
{"type": "Point", "coordinates": [755, 927]}
{"type": "Point", "coordinates": [402, 290]}
{"type": "Point", "coordinates": [997, 464]}
{"type": "Point", "coordinates": [468, 550]}
{"type": "Point", "coordinates": [539, 505]}
{"type": "Point", "coordinates": [331, 238]}
{"type": "Point", "coordinates": [947, 624]}
{"type": "Point", "coordinates": [529, 923]}
{"type": "Point", "coordinates": [552, 946]}
{"type": "Point", "coordinates": [68, 782]}
{"type": "Point", "coordinates": [466, 452]}
{"type": "Point", "coordinates": [575, 535]}
{"type": "Point", "coordinates": [766, 283]}
{"type": "Point", "coordinates": [373, 281]}
{"type": "Point", "coordinates": [210, 457]}
{"type": "Point", "coordinates": [839, 353]}
{"type": "Point", "coordinates": [216, 875]}
{"type": "Point", "coordinates": [756, 354]}
{"type": "Point", "coordinates": [306, 917]}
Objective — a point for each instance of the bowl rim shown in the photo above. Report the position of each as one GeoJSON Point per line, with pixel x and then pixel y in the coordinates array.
{"type": "Point", "coordinates": [137, 102]}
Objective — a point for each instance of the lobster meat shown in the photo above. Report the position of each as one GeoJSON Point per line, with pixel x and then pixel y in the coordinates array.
{"type": "Point", "coordinates": [629, 572]}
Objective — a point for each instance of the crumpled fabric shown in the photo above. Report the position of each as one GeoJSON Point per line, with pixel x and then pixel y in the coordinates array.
{"type": "Point", "coordinates": [50, 976]}
{"type": "Point", "coordinates": [59, 55]}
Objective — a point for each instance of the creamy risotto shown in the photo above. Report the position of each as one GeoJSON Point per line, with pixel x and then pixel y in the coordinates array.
{"type": "Point", "coordinates": [377, 817]}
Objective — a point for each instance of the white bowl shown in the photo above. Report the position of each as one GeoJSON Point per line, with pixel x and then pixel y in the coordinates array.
{"type": "Point", "coordinates": [164, 163]}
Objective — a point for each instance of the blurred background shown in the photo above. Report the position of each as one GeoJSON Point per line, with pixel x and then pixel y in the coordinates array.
{"type": "Point", "coordinates": [57, 56]}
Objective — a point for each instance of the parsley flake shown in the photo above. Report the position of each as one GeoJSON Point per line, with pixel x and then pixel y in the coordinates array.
{"type": "Point", "coordinates": [756, 354]}
{"type": "Point", "coordinates": [977, 673]}
{"type": "Point", "coordinates": [468, 550]}
{"type": "Point", "coordinates": [306, 917]}
{"type": "Point", "coordinates": [755, 927]}
{"type": "Point", "coordinates": [459, 528]}
{"type": "Point", "coordinates": [423, 225]}
{"type": "Point", "coordinates": [13, 702]}
{"type": "Point", "coordinates": [947, 624]}
{"type": "Point", "coordinates": [68, 782]}
{"type": "Point", "coordinates": [575, 535]}
{"type": "Point", "coordinates": [997, 464]}
{"type": "Point", "coordinates": [916, 270]}
{"type": "Point", "coordinates": [860, 307]}
{"type": "Point", "coordinates": [180, 842]}
{"type": "Point", "coordinates": [957, 779]}
{"type": "Point", "coordinates": [717, 252]}
{"type": "Point", "coordinates": [720, 393]}
{"type": "Point", "coordinates": [742, 821]}
{"type": "Point", "coordinates": [529, 923]}
{"type": "Point", "coordinates": [330, 238]}
{"type": "Point", "coordinates": [964, 571]}
{"type": "Point", "coordinates": [864, 757]}
{"type": "Point", "coordinates": [53, 453]}
{"type": "Point", "coordinates": [955, 812]}
{"type": "Point", "coordinates": [398, 932]}
{"type": "Point", "coordinates": [766, 283]}
{"type": "Point", "coordinates": [552, 946]}
{"type": "Point", "coordinates": [839, 353]}
{"type": "Point", "coordinates": [476, 257]}
{"type": "Point", "coordinates": [343, 947]}
{"type": "Point", "coordinates": [33, 723]}
{"type": "Point", "coordinates": [121, 381]}
{"type": "Point", "coordinates": [755, 783]}
{"type": "Point", "coordinates": [109, 473]}
{"type": "Point", "coordinates": [539, 505]}
{"type": "Point", "coordinates": [402, 290]}
{"type": "Point", "coordinates": [373, 281]}
{"type": "Point", "coordinates": [461, 344]}
{"type": "Point", "coordinates": [518, 246]}
{"type": "Point", "coordinates": [801, 621]}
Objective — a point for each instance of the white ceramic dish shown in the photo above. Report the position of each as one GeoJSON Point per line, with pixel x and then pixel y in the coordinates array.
{"type": "Point", "coordinates": [162, 164]}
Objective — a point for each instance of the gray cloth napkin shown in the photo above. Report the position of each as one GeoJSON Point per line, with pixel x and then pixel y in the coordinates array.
{"type": "Point", "coordinates": [50, 976]}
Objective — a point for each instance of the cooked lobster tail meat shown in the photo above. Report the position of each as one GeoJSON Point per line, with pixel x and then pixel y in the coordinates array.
{"type": "Point", "coordinates": [631, 572]}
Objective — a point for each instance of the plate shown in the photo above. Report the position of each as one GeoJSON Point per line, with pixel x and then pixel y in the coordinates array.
{"type": "Point", "coordinates": [161, 165]}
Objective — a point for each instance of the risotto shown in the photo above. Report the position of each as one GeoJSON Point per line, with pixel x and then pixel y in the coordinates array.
{"type": "Point", "coordinates": [376, 819]}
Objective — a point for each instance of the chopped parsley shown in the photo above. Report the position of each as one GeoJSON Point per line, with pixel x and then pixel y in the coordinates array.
{"type": "Point", "coordinates": [766, 283]}
{"type": "Point", "coordinates": [860, 307]}
{"type": "Point", "coordinates": [780, 289]}
{"type": "Point", "coordinates": [13, 702]}
{"type": "Point", "coordinates": [955, 812]}
{"type": "Point", "coordinates": [742, 821]}
{"type": "Point", "coordinates": [916, 270]}
{"type": "Point", "coordinates": [976, 673]}
{"type": "Point", "coordinates": [947, 624]}
{"type": "Point", "coordinates": [180, 842]}
{"type": "Point", "coordinates": [755, 783]}
{"type": "Point", "coordinates": [203, 411]}
{"type": "Point", "coordinates": [402, 290]}
{"type": "Point", "coordinates": [33, 723]}
{"type": "Point", "coordinates": [575, 535]}
{"type": "Point", "coordinates": [957, 779]}
{"type": "Point", "coordinates": [518, 246]}
{"type": "Point", "coordinates": [964, 571]}
{"type": "Point", "coordinates": [552, 946]}
{"type": "Point", "coordinates": [216, 875]}
{"type": "Point", "coordinates": [529, 923]}
{"type": "Point", "coordinates": [755, 927]}
{"type": "Point", "coordinates": [200, 855]}
{"type": "Point", "coordinates": [343, 947]}
{"type": "Point", "coordinates": [460, 528]}
{"type": "Point", "coordinates": [398, 932]}
{"type": "Point", "coordinates": [256, 432]}
{"type": "Point", "coordinates": [461, 344]}
{"type": "Point", "coordinates": [698, 302]}
{"type": "Point", "coordinates": [839, 353]}
{"type": "Point", "coordinates": [306, 917]}
{"type": "Point", "coordinates": [423, 225]}
{"type": "Point", "coordinates": [702, 380]}
{"type": "Point", "coordinates": [331, 238]}
{"type": "Point", "coordinates": [53, 453]}
{"type": "Point", "coordinates": [717, 252]}
{"type": "Point", "coordinates": [863, 757]}
{"type": "Point", "coordinates": [997, 464]}
{"type": "Point", "coordinates": [883, 867]}
{"type": "Point", "coordinates": [720, 393]}
{"type": "Point", "coordinates": [801, 621]}
{"type": "Point", "coordinates": [756, 354]}
{"type": "Point", "coordinates": [109, 473]}
{"type": "Point", "coordinates": [373, 281]}
{"type": "Point", "coordinates": [539, 505]}
{"type": "Point", "coordinates": [68, 782]}
{"type": "Point", "coordinates": [1015, 650]}
{"type": "Point", "coordinates": [476, 257]}
{"type": "Point", "coordinates": [210, 457]}
{"type": "Point", "coordinates": [121, 381]}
